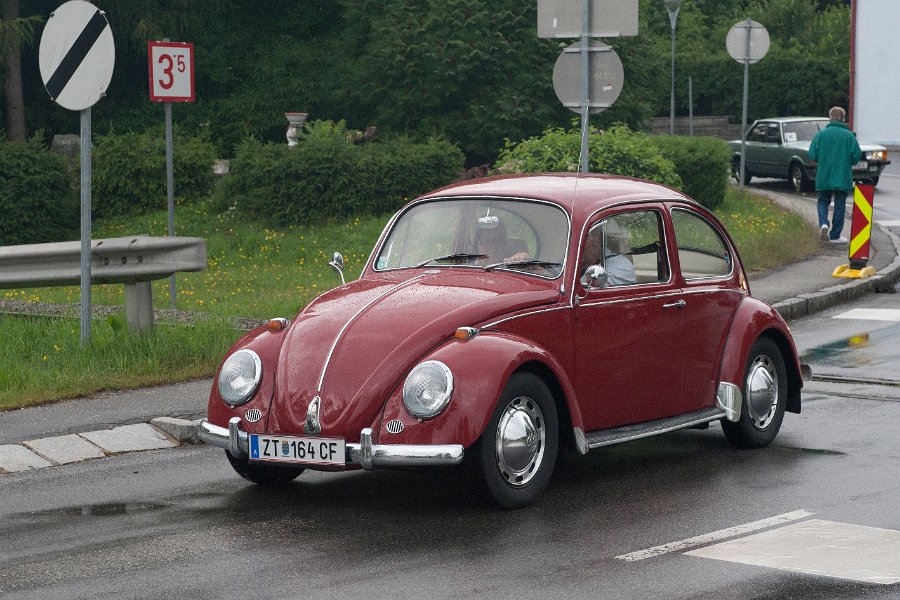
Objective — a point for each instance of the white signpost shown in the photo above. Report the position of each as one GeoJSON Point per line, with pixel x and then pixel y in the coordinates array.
{"type": "Point", "coordinates": [747, 42]}
{"type": "Point", "coordinates": [171, 80]}
{"type": "Point", "coordinates": [581, 86]}
{"type": "Point", "coordinates": [76, 58]}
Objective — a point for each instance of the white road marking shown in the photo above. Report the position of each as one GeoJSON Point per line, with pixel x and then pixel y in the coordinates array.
{"type": "Point", "coordinates": [818, 547]}
{"type": "Point", "coordinates": [715, 536]}
{"type": "Point", "coordinates": [888, 223]}
{"type": "Point", "coordinates": [871, 314]}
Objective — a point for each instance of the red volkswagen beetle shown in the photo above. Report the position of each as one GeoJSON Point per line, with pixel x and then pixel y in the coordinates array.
{"type": "Point", "coordinates": [502, 320]}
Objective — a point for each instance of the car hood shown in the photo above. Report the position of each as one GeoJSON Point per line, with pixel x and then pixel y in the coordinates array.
{"type": "Point", "coordinates": [353, 345]}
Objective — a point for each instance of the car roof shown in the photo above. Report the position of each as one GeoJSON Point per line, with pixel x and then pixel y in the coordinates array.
{"type": "Point", "coordinates": [792, 119]}
{"type": "Point", "coordinates": [581, 194]}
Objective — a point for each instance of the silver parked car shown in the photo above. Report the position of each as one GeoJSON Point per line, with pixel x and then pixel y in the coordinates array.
{"type": "Point", "coordinates": [779, 148]}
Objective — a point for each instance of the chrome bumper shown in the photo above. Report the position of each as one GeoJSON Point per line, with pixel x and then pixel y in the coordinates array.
{"type": "Point", "coordinates": [365, 454]}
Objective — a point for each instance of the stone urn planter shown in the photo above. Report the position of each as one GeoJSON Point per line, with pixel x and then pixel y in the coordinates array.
{"type": "Point", "coordinates": [295, 126]}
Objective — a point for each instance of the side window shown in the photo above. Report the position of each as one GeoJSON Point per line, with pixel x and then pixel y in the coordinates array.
{"type": "Point", "coordinates": [701, 250]}
{"type": "Point", "coordinates": [628, 246]}
{"type": "Point", "coordinates": [758, 133]}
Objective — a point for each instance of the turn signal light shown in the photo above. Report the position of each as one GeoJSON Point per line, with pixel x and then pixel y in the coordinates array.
{"type": "Point", "coordinates": [465, 333]}
{"type": "Point", "coordinates": [277, 324]}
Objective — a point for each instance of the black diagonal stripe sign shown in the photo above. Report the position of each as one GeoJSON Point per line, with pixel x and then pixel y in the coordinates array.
{"type": "Point", "coordinates": [76, 54]}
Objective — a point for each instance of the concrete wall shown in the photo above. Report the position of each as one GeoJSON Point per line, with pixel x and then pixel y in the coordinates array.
{"type": "Point", "coordinates": [876, 82]}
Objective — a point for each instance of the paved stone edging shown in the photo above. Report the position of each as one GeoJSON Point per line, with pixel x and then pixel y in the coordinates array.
{"type": "Point", "coordinates": [162, 432]}
{"type": "Point", "coordinates": [882, 281]}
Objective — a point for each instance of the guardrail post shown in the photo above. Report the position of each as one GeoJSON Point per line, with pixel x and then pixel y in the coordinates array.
{"type": "Point", "coordinates": [139, 306]}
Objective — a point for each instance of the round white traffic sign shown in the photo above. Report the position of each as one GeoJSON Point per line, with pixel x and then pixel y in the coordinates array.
{"type": "Point", "coordinates": [77, 55]}
{"type": "Point", "coordinates": [737, 41]}
{"type": "Point", "coordinates": [606, 77]}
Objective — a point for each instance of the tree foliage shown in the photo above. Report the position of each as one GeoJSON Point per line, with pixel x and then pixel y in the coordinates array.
{"type": "Point", "coordinates": [472, 71]}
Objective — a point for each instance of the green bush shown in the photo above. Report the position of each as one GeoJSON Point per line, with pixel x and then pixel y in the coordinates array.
{"type": "Point", "coordinates": [702, 163]}
{"type": "Point", "coordinates": [326, 175]}
{"type": "Point", "coordinates": [129, 171]}
{"type": "Point", "coordinates": [617, 151]}
{"type": "Point", "coordinates": [38, 199]}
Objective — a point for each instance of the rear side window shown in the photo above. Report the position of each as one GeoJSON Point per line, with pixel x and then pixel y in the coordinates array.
{"type": "Point", "coordinates": [701, 250]}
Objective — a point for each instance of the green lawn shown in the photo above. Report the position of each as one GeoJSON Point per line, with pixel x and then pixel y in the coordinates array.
{"type": "Point", "coordinates": [254, 273]}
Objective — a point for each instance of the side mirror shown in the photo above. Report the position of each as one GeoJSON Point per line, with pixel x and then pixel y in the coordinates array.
{"type": "Point", "coordinates": [595, 278]}
{"type": "Point", "coordinates": [337, 263]}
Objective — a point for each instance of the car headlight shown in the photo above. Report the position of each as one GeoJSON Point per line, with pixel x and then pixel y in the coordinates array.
{"type": "Point", "coordinates": [239, 377]}
{"type": "Point", "coordinates": [876, 155]}
{"type": "Point", "coordinates": [427, 389]}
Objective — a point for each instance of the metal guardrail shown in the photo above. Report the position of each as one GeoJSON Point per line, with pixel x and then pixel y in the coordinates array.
{"type": "Point", "coordinates": [134, 261]}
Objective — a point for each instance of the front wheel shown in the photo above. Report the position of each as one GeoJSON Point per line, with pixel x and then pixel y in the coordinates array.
{"type": "Point", "coordinates": [736, 172]}
{"type": "Point", "coordinates": [799, 180]}
{"type": "Point", "coordinates": [765, 398]}
{"type": "Point", "coordinates": [518, 448]}
{"type": "Point", "coordinates": [265, 475]}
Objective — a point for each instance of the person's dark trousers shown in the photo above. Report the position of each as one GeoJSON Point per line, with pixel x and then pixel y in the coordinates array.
{"type": "Point", "coordinates": [840, 207]}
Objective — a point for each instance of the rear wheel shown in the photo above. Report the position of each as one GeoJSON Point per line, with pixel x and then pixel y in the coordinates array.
{"type": "Point", "coordinates": [764, 398]}
{"type": "Point", "coordinates": [799, 180]}
{"type": "Point", "coordinates": [264, 475]}
{"type": "Point", "coordinates": [518, 448]}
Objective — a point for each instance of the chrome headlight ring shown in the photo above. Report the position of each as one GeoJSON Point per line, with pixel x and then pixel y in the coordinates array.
{"type": "Point", "coordinates": [239, 377]}
{"type": "Point", "coordinates": [427, 389]}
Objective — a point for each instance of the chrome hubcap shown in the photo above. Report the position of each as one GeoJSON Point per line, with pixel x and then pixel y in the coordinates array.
{"type": "Point", "coordinates": [520, 441]}
{"type": "Point", "coordinates": [762, 391]}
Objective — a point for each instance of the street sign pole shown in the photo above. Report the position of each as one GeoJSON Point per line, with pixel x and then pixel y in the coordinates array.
{"type": "Point", "coordinates": [170, 191]}
{"type": "Point", "coordinates": [76, 60]}
{"type": "Point", "coordinates": [86, 226]}
{"type": "Point", "coordinates": [585, 83]}
{"type": "Point", "coordinates": [746, 95]}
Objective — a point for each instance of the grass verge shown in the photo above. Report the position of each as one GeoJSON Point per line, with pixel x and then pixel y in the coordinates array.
{"type": "Point", "coordinates": [256, 273]}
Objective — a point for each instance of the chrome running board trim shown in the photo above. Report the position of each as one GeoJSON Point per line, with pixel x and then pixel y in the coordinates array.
{"type": "Point", "coordinates": [618, 435]}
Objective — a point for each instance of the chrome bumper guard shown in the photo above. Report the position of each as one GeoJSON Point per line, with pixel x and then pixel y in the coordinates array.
{"type": "Point", "coordinates": [365, 454]}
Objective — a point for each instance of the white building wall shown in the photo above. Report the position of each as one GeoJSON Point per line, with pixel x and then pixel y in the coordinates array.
{"type": "Point", "coordinates": [876, 93]}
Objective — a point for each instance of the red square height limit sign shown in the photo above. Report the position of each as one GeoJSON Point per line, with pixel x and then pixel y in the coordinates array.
{"type": "Point", "coordinates": [171, 71]}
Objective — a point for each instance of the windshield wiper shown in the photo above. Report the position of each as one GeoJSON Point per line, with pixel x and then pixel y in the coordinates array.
{"type": "Point", "coordinates": [457, 258]}
{"type": "Point", "coordinates": [522, 263]}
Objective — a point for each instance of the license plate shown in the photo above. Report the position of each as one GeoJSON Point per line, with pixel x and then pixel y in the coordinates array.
{"type": "Point", "coordinates": [297, 449]}
{"type": "Point", "coordinates": [861, 165]}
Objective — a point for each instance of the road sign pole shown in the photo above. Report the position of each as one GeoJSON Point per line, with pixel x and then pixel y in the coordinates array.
{"type": "Point", "coordinates": [86, 226]}
{"type": "Point", "coordinates": [170, 191]}
{"type": "Point", "coordinates": [585, 84]}
{"type": "Point", "coordinates": [746, 94]}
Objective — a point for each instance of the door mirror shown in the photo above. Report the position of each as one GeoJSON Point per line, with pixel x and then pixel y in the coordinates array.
{"type": "Point", "coordinates": [595, 278]}
{"type": "Point", "coordinates": [337, 263]}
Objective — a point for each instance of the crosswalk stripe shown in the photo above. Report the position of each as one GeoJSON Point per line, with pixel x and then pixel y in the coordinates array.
{"type": "Point", "coordinates": [871, 314]}
{"type": "Point", "coordinates": [715, 536]}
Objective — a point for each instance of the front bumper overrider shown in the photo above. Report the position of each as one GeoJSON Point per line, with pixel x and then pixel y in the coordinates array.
{"type": "Point", "coordinates": [365, 454]}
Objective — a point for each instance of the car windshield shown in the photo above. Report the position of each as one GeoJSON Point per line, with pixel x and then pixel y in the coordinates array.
{"type": "Point", "coordinates": [802, 131]}
{"type": "Point", "coordinates": [479, 233]}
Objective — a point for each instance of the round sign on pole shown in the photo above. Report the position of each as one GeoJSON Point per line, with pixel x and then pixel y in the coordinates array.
{"type": "Point", "coordinates": [77, 55]}
{"type": "Point", "coordinates": [736, 41]}
{"type": "Point", "coordinates": [606, 77]}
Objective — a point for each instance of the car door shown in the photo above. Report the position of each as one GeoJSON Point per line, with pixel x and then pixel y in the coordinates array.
{"type": "Point", "coordinates": [628, 359]}
{"type": "Point", "coordinates": [708, 271]}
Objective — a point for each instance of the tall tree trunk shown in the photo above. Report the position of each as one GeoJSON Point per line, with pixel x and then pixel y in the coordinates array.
{"type": "Point", "coordinates": [12, 66]}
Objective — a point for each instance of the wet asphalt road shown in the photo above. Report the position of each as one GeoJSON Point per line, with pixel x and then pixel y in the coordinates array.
{"type": "Point", "coordinates": [180, 523]}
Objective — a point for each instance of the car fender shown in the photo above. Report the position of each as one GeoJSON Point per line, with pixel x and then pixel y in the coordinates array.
{"type": "Point", "coordinates": [481, 367]}
{"type": "Point", "coordinates": [753, 319]}
{"type": "Point", "coordinates": [267, 344]}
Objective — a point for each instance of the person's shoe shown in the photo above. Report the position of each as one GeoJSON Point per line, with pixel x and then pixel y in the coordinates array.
{"type": "Point", "coordinates": [840, 240]}
{"type": "Point", "coordinates": [823, 232]}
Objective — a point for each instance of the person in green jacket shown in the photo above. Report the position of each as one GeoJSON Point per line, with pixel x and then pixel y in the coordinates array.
{"type": "Point", "coordinates": [836, 150]}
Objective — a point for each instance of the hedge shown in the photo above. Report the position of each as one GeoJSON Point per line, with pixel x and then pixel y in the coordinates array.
{"type": "Point", "coordinates": [326, 175]}
{"type": "Point", "coordinates": [39, 201]}
{"type": "Point", "coordinates": [129, 171]}
{"type": "Point", "coordinates": [703, 164]}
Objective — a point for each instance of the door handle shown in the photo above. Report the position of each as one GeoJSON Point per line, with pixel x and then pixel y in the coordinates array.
{"type": "Point", "coordinates": [679, 304]}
